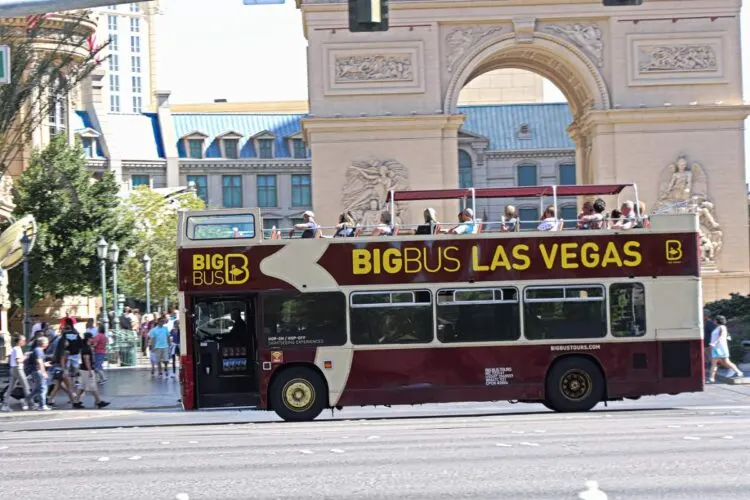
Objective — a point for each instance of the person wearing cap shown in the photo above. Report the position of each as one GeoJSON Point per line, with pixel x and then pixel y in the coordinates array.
{"type": "Point", "coordinates": [309, 227]}
{"type": "Point", "coordinates": [87, 378]}
{"type": "Point", "coordinates": [468, 225]}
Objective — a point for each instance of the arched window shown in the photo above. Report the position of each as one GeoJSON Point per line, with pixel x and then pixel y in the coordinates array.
{"type": "Point", "coordinates": [57, 109]}
{"type": "Point", "coordinates": [465, 179]}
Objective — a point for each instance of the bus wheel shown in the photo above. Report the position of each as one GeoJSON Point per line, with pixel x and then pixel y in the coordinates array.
{"type": "Point", "coordinates": [574, 384]}
{"type": "Point", "coordinates": [298, 394]}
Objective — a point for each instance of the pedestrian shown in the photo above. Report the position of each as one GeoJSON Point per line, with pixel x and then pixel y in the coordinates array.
{"type": "Point", "coordinates": [17, 374]}
{"type": "Point", "coordinates": [87, 376]}
{"type": "Point", "coordinates": [159, 338]}
{"type": "Point", "coordinates": [720, 350]}
{"type": "Point", "coordinates": [100, 353]}
{"type": "Point", "coordinates": [59, 375]}
{"type": "Point", "coordinates": [35, 365]}
{"type": "Point", "coordinates": [73, 348]}
{"type": "Point", "coordinates": [708, 328]}
{"type": "Point", "coordinates": [90, 328]}
{"type": "Point", "coordinates": [174, 345]}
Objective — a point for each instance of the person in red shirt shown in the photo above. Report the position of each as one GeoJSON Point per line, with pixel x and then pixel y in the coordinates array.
{"type": "Point", "coordinates": [100, 353]}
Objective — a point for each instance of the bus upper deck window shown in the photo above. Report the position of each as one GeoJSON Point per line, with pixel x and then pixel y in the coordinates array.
{"type": "Point", "coordinates": [221, 227]}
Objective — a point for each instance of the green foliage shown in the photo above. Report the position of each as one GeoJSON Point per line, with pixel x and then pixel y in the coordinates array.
{"type": "Point", "coordinates": [48, 60]}
{"type": "Point", "coordinates": [155, 234]}
{"type": "Point", "coordinates": [72, 210]}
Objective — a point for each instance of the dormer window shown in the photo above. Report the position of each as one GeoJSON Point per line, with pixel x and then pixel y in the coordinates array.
{"type": "Point", "coordinates": [298, 148]}
{"type": "Point", "coordinates": [89, 146]}
{"type": "Point", "coordinates": [264, 144]}
{"type": "Point", "coordinates": [524, 131]}
{"type": "Point", "coordinates": [231, 148]}
{"type": "Point", "coordinates": [194, 144]}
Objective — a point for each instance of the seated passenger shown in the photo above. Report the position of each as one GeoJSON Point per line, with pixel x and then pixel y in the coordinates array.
{"type": "Point", "coordinates": [346, 226]}
{"type": "Point", "coordinates": [430, 222]}
{"type": "Point", "coordinates": [384, 228]}
{"type": "Point", "coordinates": [310, 227]}
{"type": "Point", "coordinates": [549, 220]}
{"type": "Point", "coordinates": [468, 225]}
{"type": "Point", "coordinates": [592, 216]}
{"type": "Point", "coordinates": [614, 218]}
{"type": "Point", "coordinates": [627, 221]}
{"type": "Point", "coordinates": [642, 219]}
{"type": "Point", "coordinates": [510, 220]}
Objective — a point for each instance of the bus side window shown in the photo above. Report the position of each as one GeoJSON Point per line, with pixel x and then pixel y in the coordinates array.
{"type": "Point", "coordinates": [627, 309]}
{"type": "Point", "coordinates": [398, 317]}
{"type": "Point", "coordinates": [478, 315]}
{"type": "Point", "coordinates": [565, 312]}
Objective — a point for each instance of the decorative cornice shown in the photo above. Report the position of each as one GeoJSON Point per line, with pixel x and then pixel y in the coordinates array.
{"type": "Point", "coordinates": [667, 114]}
{"type": "Point", "coordinates": [145, 164]}
{"type": "Point", "coordinates": [279, 165]}
{"type": "Point", "coordinates": [531, 153]}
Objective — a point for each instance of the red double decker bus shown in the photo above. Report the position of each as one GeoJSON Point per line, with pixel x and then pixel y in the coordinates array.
{"type": "Point", "coordinates": [568, 318]}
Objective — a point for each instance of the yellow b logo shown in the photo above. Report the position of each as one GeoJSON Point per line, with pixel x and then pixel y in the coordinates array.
{"type": "Point", "coordinates": [235, 266]}
{"type": "Point", "coordinates": [673, 249]}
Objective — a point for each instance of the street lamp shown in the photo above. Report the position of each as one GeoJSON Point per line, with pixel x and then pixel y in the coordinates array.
{"type": "Point", "coordinates": [114, 254]}
{"type": "Point", "coordinates": [101, 252]}
{"type": "Point", "coordinates": [147, 267]}
{"type": "Point", "coordinates": [26, 247]}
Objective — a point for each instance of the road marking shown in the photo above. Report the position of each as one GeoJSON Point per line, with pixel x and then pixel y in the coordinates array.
{"type": "Point", "coordinates": [504, 445]}
{"type": "Point", "coordinates": [103, 459]}
{"type": "Point", "coordinates": [337, 450]}
{"type": "Point", "coordinates": [540, 431]}
{"type": "Point", "coordinates": [193, 442]}
{"type": "Point", "coordinates": [373, 437]}
{"type": "Point", "coordinates": [674, 426]}
{"type": "Point", "coordinates": [727, 437]}
{"type": "Point", "coordinates": [182, 496]}
{"type": "Point", "coordinates": [306, 452]}
{"type": "Point", "coordinates": [165, 442]}
{"type": "Point", "coordinates": [3, 447]}
{"type": "Point", "coordinates": [692, 438]}
{"type": "Point", "coordinates": [592, 492]}
{"type": "Point", "coordinates": [526, 443]}
{"type": "Point", "coordinates": [136, 457]}
{"type": "Point", "coordinates": [517, 432]}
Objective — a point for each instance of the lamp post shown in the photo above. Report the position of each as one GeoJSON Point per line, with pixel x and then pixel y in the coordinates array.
{"type": "Point", "coordinates": [114, 254]}
{"type": "Point", "coordinates": [26, 247]}
{"type": "Point", "coordinates": [147, 268]}
{"type": "Point", "coordinates": [101, 252]}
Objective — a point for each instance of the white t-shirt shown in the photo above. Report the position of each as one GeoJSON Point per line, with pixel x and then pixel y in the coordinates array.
{"type": "Point", "coordinates": [719, 337]}
{"type": "Point", "coordinates": [548, 224]}
{"type": "Point", "coordinates": [15, 354]}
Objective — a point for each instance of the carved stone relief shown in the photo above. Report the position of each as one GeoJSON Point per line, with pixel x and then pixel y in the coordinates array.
{"type": "Point", "coordinates": [367, 68]}
{"type": "Point", "coordinates": [683, 189]}
{"type": "Point", "coordinates": [367, 186]}
{"type": "Point", "coordinates": [460, 40]}
{"type": "Point", "coordinates": [587, 37]}
{"type": "Point", "coordinates": [667, 58]}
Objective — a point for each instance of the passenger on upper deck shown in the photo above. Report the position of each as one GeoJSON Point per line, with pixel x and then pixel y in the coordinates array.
{"type": "Point", "coordinates": [627, 221]}
{"type": "Point", "coordinates": [510, 220]}
{"type": "Point", "coordinates": [431, 223]}
{"type": "Point", "coordinates": [593, 215]}
{"type": "Point", "coordinates": [346, 225]}
{"type": "Point", "coordinates": [310, 226]}
{"type": "Point", "coordinates": [643, 220]}
{"type": "Point", "coordinates": [384, 228]}
{"type": "Point", "coordinates": [468, 224]}
{"type": "Point", "coordinates": [549, 220]}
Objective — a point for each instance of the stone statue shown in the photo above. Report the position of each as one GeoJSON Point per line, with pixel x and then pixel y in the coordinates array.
{"type": "Point", "coordinates": [367, 186]}
{"type": "Point", "coordinates": [684, 190]}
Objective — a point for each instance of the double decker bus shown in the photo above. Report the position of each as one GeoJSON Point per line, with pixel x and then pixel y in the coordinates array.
{"type": "Point", "coordinates": [568, 318]}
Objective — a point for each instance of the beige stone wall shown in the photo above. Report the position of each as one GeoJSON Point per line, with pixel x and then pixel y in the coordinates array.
{"type": "Point", "coordinates": [503, 86]}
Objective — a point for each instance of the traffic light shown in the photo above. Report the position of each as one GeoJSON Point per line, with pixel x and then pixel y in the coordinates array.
{"type": "Point", "coordinates": [368, 15]}
{"type": "Point", "coordinates": [622, 3]}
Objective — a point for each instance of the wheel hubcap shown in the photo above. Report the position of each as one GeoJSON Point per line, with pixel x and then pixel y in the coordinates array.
{"type": "Point", "coordinates": [576, 385]}
{"type": "Point", "coordinates": [299, 395]}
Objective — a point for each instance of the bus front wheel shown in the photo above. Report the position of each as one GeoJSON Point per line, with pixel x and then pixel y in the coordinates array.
{"type": "Point", "coordinates": [574, 384]}
{"type": "Point", "coordinates": [298, 394]}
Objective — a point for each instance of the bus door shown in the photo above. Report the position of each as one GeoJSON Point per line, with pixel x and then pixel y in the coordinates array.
{"type": "Point", "coordinates": [226, 360]}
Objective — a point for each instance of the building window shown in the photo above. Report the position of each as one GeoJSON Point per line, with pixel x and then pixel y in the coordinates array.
{"type": "Point", "coordinates": [464, 170]}
{"type": "Point", "coordinates": [302, 320]}
{"type": "Point", "coordinates": [201, 186]}
{"type": "Point", "coordinates": [300, 151]}
{"type": "Point", "coordinates": [89, 146]}
{"type": "Point", "coordinates": [267, 191]}
{"type": "Point", "coordinates": [112, 23]}
{"type": "Point", "coordinates": [114, 83]}
{"type": "Point", "coordinates": [301, 191]}
{"type": "Point", "coordinates": [529, 217]}
{"type": "Point", "coordinates": [265, 148]}
{"type": "Point", "coordinates": [268, 225]}
{"type": "Point", "coordinates": [478, 315]}
{"type": "Point", "coordinates": [114, 104]}
{"type": "Point", "coordinates": [627, 309]}
{"type": "Point", "coordinates": [527, 175]}
{"type": "Point", "coordinates": [140, 180]}
{"type": "Point", "coordinates": [195, 148]}
{"type": "Point", "coordinates": [135, 25]}
{"type": "Point", "coordinates": [231, 191]}
{"type": "Point", "coordinates": [114, 42]}
{"type": "Point", "coordinates": [564, 312]}
{"type": "Point", "coordinates": [134, 7]}
{"type": "Point", "coordinates": [135, 63]}
{"type": "Point", "coordinates": [402, 317]}
{"type": "Point", "coordinates": [570, 215]}
{"type": "Point", "coordinates": [524, 131]}
{"type": "Point", "coordinates": [57, 114]}
{"type": "Point", "coordinates": [135, 44]}
{"type": "Point", "coordinates": [137, 88]}
{"type": "Point", "coordinates": [232, 148]}
{"type": "Point", "coordinates": [568, 174]}
{"type": "Point", "coordinates": [137, 104]}
{"type": "Point", "coordinates": [114, 62]}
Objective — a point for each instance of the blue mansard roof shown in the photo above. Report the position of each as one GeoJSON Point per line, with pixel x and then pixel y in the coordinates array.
{"type": "Point", "coordinates": [499, 123]}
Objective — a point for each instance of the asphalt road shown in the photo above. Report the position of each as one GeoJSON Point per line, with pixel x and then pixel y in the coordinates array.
{"type": "Point", "coordinates": [681, 454]}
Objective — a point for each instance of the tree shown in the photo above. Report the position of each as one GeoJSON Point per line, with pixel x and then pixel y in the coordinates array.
{"type": "Point", "coordinates": [155, 232]}
{"type": "Point", "coordinates": [72, 211]}
{"type": "Point", "coordinates": [49, 56]}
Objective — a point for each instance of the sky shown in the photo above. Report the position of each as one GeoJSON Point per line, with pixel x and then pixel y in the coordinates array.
{"type": "Point", "coordinates": [259, 53]}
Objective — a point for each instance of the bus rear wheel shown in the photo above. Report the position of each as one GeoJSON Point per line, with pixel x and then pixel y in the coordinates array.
{"type": "Point", "coordinates": [574, 384]}
{"type": "Point", "coordinates": [298, 394]}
